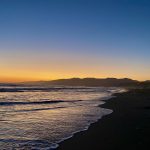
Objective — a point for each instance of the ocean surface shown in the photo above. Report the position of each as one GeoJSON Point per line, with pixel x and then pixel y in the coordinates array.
{"type": "Point", "coordinates": [39, 118]}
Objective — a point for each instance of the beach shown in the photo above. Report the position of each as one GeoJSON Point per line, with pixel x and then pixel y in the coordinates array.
{"type": "Point", "coordinates": [128, 127]}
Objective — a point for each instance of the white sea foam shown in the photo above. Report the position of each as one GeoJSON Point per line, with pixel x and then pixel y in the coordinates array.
{"type": "Point", "coordinates": [43, 119]}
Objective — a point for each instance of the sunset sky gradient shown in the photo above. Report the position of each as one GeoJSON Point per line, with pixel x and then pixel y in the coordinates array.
{"type": "Point", "coordinates": [51, 39]}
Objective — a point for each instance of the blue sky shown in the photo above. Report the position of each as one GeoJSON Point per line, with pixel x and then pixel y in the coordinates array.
{"type": "Point", "coordinates": [111, 35]}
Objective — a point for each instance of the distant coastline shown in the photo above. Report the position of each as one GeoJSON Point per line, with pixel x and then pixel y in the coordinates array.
{"type": "Point", "coordinates": [105, 82]}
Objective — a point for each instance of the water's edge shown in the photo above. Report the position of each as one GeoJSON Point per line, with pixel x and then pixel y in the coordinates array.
{"type": "Point", "coordinates": [104, 100]}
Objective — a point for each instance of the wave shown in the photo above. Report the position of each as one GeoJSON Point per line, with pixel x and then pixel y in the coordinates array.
{"type": "Point", "coordinates": [30, 103]}
{"type": "Point", "coordinates": [37, 109]}
{"type": "Point", "coordinates": [30, 144]}
{"type": "Point", "coordinates": [37, 89]}
{"type": "Point", "coordinates": [40, 144]}
{"type": "Point", "coordinates": [35, 102]}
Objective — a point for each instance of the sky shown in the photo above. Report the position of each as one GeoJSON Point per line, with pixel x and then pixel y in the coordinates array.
{"type": "Point", "coordinates": [52, 39]}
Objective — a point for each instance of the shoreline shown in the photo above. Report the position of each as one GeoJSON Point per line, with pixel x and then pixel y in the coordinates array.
{"type": "Point", "coordinates": [119, 130]}
{"type": "Point", "coordinates": [105, 99]}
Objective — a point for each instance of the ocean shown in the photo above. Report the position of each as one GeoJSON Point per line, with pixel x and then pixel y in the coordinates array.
{"type": "Point", "coordinates": [40, 118]}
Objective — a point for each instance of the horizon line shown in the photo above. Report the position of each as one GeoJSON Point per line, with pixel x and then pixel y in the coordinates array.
{"type": "Point", "coordinates": [25, 81]}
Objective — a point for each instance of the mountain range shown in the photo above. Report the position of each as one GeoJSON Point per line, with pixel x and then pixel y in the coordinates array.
{"type": "Point", "coordinates": [106, 82]}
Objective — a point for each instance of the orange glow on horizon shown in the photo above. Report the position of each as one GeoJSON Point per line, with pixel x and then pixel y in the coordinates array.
{"type": "Point", "coordinates": [15, 79]}
{"type": "Point", "coordinates": [23, 68]}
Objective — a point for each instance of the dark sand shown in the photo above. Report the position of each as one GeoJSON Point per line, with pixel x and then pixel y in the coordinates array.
{"type": "Point", "coordinates": [127, 128]}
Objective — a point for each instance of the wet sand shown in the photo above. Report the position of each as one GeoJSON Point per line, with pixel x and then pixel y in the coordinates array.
{"type": "Point", "coordinates": [128, 127]}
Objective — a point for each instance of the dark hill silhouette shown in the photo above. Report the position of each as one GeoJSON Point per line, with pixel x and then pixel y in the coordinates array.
{"type": "Point", "coordinates": [89, 82]}
{"type": "Point", "coordinates": [107, 82]}
{"type": "Point", "coordinates": [145, 84]}
{"type": "Point", "coordinates": [94, 82]}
